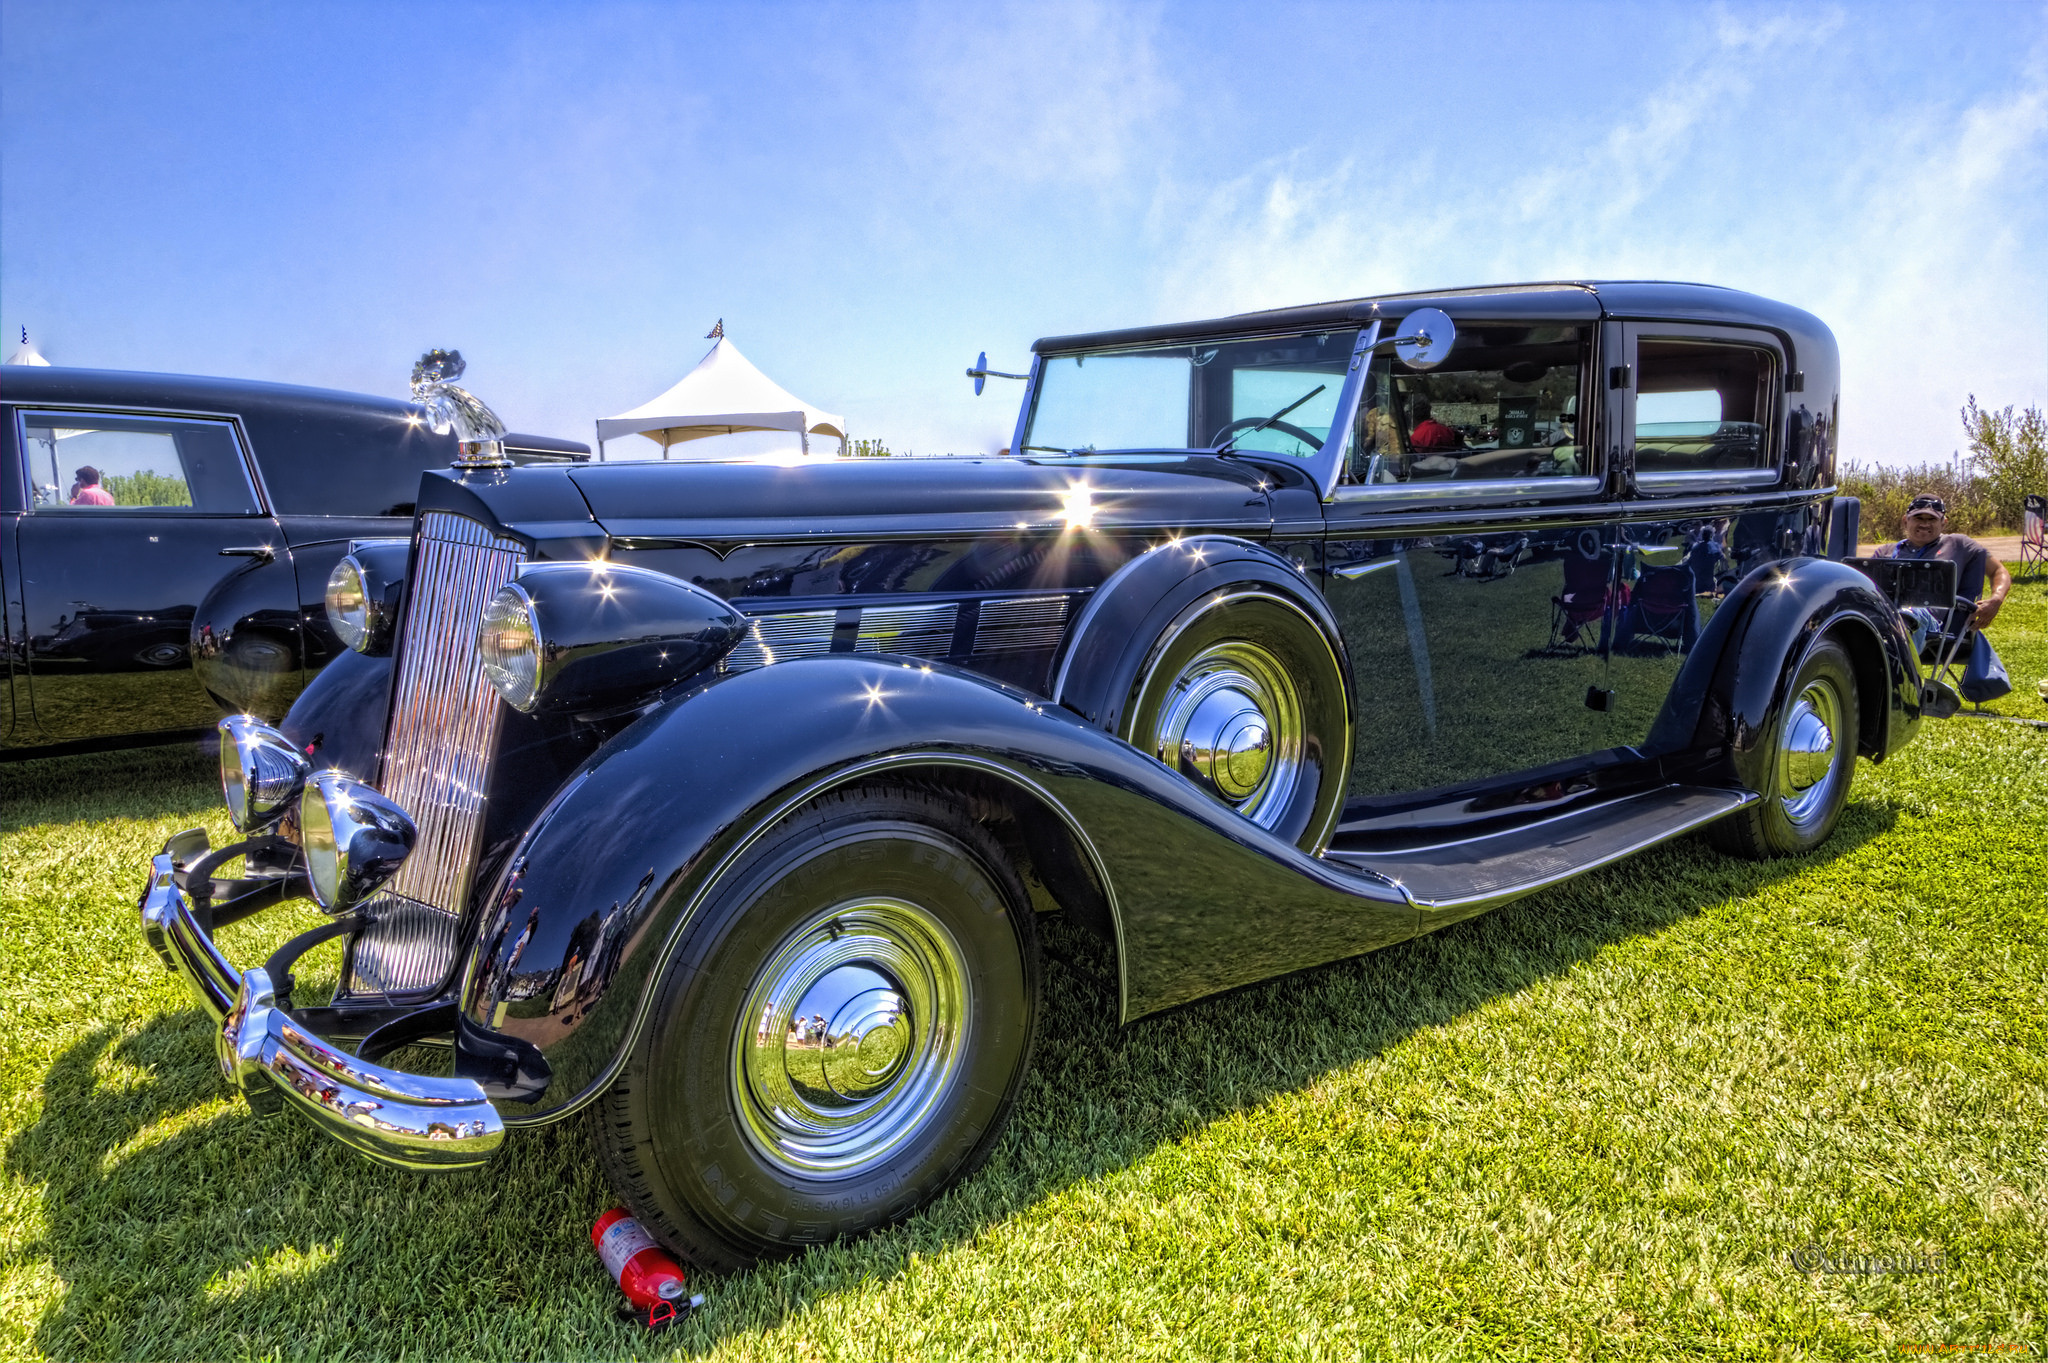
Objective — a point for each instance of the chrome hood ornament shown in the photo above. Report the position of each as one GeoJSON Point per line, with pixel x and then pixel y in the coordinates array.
{"type": "Point", "coordinates": [452, 407]}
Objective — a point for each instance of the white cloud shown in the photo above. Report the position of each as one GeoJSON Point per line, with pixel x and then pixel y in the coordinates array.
{"type": "Point", "coordinates": [1915, 232]}
{"type": "Point", "coordinates": [1037, 93]}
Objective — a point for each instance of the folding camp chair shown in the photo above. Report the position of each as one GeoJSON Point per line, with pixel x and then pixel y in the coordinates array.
{"type": "Point", "coordinates": [2033, 539]}
{"type": "Point", "coordinates": [1662, 608]}
{"type": "Point", "coordinates": [1584, 601]}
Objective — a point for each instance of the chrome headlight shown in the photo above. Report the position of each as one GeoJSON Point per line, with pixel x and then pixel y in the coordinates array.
{"type": "Point", "coordinates": [348, 603]}
{"type": "Point", "coordinates": [508, 645]}
{"type": "Point", "coordinates": [354, 839]}
{"type": "Point", "coordinates": [261, 772]}
{"type": "Point", "coordinates": [599, 637]}
{"type": "Point", "coordinates": [363, 592]}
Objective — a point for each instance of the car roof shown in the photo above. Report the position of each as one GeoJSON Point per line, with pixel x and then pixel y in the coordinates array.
{"type": "Point", "coordinates": [136, 388]}
{"type": "Point", "coordinates": [1589, 300]}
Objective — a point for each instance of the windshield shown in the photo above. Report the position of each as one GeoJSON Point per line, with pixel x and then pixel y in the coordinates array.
{"type": "Point", "coordinates": [1276, 393]}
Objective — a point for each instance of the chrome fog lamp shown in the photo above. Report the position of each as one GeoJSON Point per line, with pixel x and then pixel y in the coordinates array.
{"type": "Point", "coordinates": [354, 839]}
{"type": "Point", "coordinates": [261, 772]}
{"type": "Point", "coordinates": [508, 644]}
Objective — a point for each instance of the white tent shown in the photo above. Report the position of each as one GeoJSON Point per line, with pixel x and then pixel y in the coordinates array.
{"type": "Point", "coordinates": [28, 354]}
{"type": "Point", "coordinates": [722, 395]}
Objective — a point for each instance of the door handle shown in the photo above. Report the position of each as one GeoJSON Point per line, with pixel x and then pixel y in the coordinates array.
{"type": "Point", "coordinates": [262, 551]}
{"type": "Point", "coordinates": [1351, 572]}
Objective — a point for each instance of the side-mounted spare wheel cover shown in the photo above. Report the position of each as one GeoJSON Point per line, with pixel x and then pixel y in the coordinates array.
{"type": "Point", "coordinates": [1216, 657]}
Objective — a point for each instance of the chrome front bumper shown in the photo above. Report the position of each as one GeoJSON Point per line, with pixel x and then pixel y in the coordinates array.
{"type": "Point", "coordinates": [410, 1120]}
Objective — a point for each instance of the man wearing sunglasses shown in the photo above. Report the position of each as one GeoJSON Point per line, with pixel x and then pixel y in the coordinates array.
{"type": "Point", "coordinates": [1926, 537]}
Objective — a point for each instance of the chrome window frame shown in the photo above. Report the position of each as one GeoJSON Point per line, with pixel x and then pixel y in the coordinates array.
{"type": "Point", "coordinates": [1579, 487]}
{"type": "Point", "coordinates": [1770, 473]}
{"type": "Point", "coordinates": [1029, 405]}
{"type": "Point", "coordinates": [251, 475]}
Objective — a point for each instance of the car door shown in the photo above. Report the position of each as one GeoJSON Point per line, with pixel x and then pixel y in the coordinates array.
{"type": "Point", "coordinates": [1701, 414]}
{"type": "Point", "coordinates": [130, 520]}
{"type": "Point", "coordinates": [1468, 558]}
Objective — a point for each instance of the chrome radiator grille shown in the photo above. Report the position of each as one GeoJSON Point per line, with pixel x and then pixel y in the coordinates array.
{"type": "Point", "coordinates": [437, 751]}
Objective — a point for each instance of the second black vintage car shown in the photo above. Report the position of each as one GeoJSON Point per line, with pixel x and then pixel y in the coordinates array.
{"type": "Point", "coordinates": [723, 800]}
{"type": "Point", "coordinates": [165, 542]}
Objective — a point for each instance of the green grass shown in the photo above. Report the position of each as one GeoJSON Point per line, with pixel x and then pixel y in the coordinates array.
{"type": "Point", "coordinates": [1594, 1124]}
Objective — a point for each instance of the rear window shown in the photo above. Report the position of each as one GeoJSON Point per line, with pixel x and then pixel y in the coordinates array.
{"type": "Point", "coordinates": [89, 463]}
{"type": "Point", "coordinates": [335, 462]}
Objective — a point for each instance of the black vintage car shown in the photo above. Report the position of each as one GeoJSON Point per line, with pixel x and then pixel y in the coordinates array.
{"type": "Point", "coordinates": [722, 800]}
{"type": "Point", "coordinates": [191, 582]}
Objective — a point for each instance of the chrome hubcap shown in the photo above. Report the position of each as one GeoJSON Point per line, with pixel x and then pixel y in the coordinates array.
{"type": "Point", "coordinates": [1806, 756]}
{"type": "Point", "coordinates": [852, 1032]}
{"type": "Point", "coordinates": [1232, 723]}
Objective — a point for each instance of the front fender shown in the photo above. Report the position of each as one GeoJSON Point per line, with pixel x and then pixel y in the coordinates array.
{"type": "Point", "coordinates": [574, 935]}
{"type": "Point", "coordinates": [1108, 646]}
{"type": "Point", "coordinates": [1728, 694]}
{"type": "Point", "coordinates": [338, 720]}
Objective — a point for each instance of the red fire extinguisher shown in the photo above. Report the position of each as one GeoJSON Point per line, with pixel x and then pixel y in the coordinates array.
{"type": "Point", "coordinates": [652, 1281]}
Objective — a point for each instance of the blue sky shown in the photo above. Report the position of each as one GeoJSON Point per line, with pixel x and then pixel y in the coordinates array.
{"type": "Point", "coordinates": [870, 194]}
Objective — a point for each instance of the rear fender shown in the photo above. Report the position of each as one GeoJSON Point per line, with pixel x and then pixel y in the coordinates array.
{"type": "Point", "coordinates": [574, 936]}
{"type": "Point", "coordinates": [1729, 693]}
{"type": "Point", "coordinates": [246, 642]}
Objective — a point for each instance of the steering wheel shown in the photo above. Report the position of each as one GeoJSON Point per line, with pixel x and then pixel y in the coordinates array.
{"type": "Point", "coordinates": [1284, 427]}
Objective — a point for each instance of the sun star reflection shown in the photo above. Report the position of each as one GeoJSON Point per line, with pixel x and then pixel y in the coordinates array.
{"type": "Point", "coordinates": [1078, 507]}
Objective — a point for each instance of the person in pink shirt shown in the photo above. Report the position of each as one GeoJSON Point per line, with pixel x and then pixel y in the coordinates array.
{"type": "Point", "coordinates": [90, 493]}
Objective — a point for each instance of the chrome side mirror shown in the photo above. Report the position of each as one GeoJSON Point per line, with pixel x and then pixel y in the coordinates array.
{"type": "Point", "coordinates": [1425, 338]}
{"type": "Point", "coordinates": [261, 772]}
{"type": "Point", "coordinates": [354, 838]}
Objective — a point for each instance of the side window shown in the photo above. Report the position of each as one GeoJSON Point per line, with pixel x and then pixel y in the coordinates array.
{"type": "Point", "coordinates": [1503, 406]}
{"type": "Point", "coordinates": [86, 463]}
{"type": "Point", "coordinates": [1702, 407]}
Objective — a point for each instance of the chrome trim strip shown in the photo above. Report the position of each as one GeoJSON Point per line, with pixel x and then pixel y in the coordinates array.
{"type": "Point", "coordinates": [1690, 479]}
{"type": "Point", "coordinates": [1482, 491]}
{"type": "Point", "coordinates": [782, 811]}
{"type": "Point", "coordinates": [1394, 523]}
{"type": "Point", "coordinates": [1351, 572]}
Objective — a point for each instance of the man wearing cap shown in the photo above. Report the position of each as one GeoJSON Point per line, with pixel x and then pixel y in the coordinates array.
{"type": "Point", "coordinates": [1926, 521]}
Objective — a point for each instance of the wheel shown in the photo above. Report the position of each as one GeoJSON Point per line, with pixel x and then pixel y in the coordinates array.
{"type": "Point", "coordinates": [1810, 757]}
{"type": "Point", "coordinates": [1244, 696]}
{"type": "Point", "coordinates": [839, 1038]}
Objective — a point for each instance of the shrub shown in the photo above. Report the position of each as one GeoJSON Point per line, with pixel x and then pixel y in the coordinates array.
{"type": "Point", "coordinates": [147, 488]}
{"type": "Point", "coordinates": [2008, 455]}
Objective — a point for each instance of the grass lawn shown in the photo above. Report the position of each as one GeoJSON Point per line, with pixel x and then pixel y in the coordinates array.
{"type": "Point", "coordinates": [1598, 1123]}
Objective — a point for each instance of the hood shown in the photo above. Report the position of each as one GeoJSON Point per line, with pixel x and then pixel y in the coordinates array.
{"type": "Point", "coordinates": [898, 498]}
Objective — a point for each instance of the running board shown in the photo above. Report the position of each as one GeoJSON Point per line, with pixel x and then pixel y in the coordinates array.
{"type": "Point", "coordinates": [1453, 880]}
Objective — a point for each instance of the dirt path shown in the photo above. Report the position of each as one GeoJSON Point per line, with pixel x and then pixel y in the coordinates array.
{"type": "Point", "coordinates": [2005, 547]}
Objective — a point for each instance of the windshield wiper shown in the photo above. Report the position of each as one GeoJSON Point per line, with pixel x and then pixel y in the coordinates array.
{"type": "Point", "coordinates": [1229, 444]}
{"type": "Point", "coordinates": [1049, 449]}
